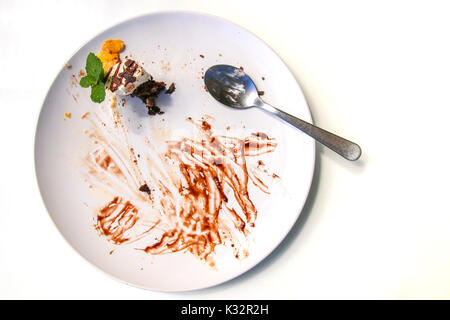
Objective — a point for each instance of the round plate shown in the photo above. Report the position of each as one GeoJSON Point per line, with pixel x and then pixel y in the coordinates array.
{"type": "Point", "coordinates": [174, 47]}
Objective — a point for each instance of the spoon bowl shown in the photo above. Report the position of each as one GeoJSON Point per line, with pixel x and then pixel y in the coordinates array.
{"type": "Point", "coordinates": [232, 87]}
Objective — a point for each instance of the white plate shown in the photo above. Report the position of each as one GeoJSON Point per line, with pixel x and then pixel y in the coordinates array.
{"type": "Point", "coordinates": [174, 47]}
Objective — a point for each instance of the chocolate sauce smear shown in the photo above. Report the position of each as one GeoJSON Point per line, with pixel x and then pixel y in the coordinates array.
{"type": "Point", "coordinates": [199, 195]}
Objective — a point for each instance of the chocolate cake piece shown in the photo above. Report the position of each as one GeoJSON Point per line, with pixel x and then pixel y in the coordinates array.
{"type": "Point", "coordinates": [147, 92]}
{"type": "Point", "coordinates": [128, 78]}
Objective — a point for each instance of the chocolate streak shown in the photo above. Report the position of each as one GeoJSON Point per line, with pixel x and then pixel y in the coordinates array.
{"type": "Point", "coordinates": [195, 197]}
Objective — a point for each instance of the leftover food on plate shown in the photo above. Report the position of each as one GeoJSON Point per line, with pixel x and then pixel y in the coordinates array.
{"type": "Point", "coordinates": [193, 197]}
{"type": "Point", "coordinates": [106, 71]}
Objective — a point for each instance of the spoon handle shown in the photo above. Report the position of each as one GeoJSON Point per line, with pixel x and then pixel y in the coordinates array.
{"type": "Point", "coordinates": [347, 149]}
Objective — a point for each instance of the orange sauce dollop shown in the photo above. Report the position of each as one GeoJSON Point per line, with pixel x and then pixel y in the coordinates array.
{"type": "Point", "coordinates": [109, 55]}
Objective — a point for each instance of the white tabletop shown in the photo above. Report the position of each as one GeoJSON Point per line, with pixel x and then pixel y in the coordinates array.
{"type": "Point", "coordinates": [377, 73]}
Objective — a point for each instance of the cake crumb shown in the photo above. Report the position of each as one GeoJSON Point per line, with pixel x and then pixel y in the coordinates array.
{"type": "Point", "coordinates": [68, 115]}
{"type": "Point", "coordinates": [144, 188]}
{"type": "Point", "coordinates": [73, 81]}
{"type": "Point", "coordinates": [171, 89]}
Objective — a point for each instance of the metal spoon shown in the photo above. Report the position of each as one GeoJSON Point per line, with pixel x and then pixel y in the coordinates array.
{"type": "Point", "coordinates": [232, 87]}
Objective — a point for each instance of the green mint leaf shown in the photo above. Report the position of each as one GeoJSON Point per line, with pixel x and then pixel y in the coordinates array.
{"type": "Point", "coordinates": [98, 92]}
{"type": "Point", "coordinates": [87, 81]}
{"type": "Point", "coordinates": [94, 67]}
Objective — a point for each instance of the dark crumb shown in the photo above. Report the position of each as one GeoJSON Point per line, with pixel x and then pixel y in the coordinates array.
{"type": "Point", "coordinates": [153, 110]}
{"type": "Point", "coordinates": [68, 66]}
{"type": "Point", "coordinates": [156, 109]}
{"type": "Point", "coordinates": [171, 88]}
{"type": "Point", "coordinates": [260, 93]}
{"type": "Point", "coordinates": [145, 188]}
{"type": "Point", "coordinates": [263, 78]}
{"type": "Point", "coordinates": [202, 56]}
{"type": "Point", "coordinates": [242, 68]}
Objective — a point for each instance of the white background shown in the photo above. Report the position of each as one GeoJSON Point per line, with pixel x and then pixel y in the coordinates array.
{"type": "Point", "coordinates": [376, 72]}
